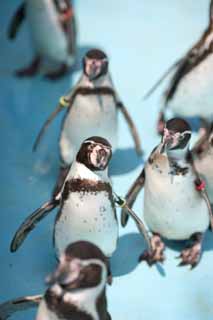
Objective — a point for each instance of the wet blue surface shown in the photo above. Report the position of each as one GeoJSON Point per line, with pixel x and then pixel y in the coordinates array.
{"type": "Point", "coordinates": [142, 38]}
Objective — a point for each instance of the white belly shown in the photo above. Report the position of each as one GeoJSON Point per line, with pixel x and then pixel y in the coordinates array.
{"type": "Point", "coordinates": [194, 95]}
{"type": "Point", "coordinates": [47, 35]}
{"type": "Point", "coordinates": [173, 208]}
{"type": "Point", "coordinates": [88, 117]}
{"type": "Point", "coordinates": [88, 217]}
{"type": "Point", "coordinates": [204, 166]}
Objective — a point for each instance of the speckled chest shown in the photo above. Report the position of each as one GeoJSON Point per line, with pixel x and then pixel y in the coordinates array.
{"type": "Point", "coordinates": [87, 213]}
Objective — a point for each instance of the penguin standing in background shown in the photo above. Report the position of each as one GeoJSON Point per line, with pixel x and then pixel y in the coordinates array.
{"type": "Point", "coordinates": [86, 203]}
{"type": "Point", "coordinates": [189, 93]}
{"type": "Point", "coordinates": [176, 205]}
{"type": "Point", "coordinates": [203, 160]}
{"type": "Point", "coordinates": [92, 109]}
{"type": "Point", "coordinates": [77, 289]}
{"type": "Point", "coordinates": [53, 31]}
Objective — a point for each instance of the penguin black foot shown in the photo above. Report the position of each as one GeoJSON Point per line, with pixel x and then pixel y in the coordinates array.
{"type": "Point", "coordinates": [54, 75]}
{"type": "Point", "coordinates": [157, 253]}
{"type": "Point", "coordinates": [31, 70]}
{"type": "Point", "coordinates": [160, 123]}
{"type": "Point", "coordinates": [192, 254]}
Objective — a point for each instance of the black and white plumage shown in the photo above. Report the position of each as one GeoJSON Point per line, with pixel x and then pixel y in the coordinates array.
{"type": "Point", "coordinates": [86, 206]}
{"type": "Point", "coordinates": [189, 92]}
{"type": "Point", "coordinates": [92, 109]}
{"type": "Point", "coordinates": [203, 160]}
{"type": "Point", "coordinates": [77, 288]}
{"type": "Point", "coordinates": [52, 29]}
{"type": "Point", "coordinates": [173, 207]}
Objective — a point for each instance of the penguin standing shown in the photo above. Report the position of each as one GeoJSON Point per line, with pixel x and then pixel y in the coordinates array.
{"type": "Point", "coordinates": [86, 204]}
{"type": "Point", "coordinates": [93, 107]}
{"type": "Point", "coordinates": [203, 160]}
{"type": "Point", "coordinates": [189, 93]}
{"type": "Point", "coordinates": [53, 32]}
{"type": "Point", "coordinates": [87, 210]}
{"type": "Point", "coordinates": [176, 205]}
{"type": "Point", "coordinates": [77, 289]}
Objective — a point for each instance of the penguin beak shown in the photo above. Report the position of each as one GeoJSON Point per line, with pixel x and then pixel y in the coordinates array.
{"type": "Point", "coordinates": [66, 275]}
{"type": "Point", "coordinates": [93, 72]}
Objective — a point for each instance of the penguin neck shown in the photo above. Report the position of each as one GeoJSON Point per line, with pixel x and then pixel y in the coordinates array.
{"type": "Point", "coordinates": [178, 155]}
{"type": "Point", "coordinates": [80, 171]}
{"type": "Point", "coordinates": [103, 81]}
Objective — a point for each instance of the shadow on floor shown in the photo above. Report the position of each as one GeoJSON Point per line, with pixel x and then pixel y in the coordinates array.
{"type": "Point", "coordinates": [124, 161]}
{"type": "Point", "coordinates": [125, 259]}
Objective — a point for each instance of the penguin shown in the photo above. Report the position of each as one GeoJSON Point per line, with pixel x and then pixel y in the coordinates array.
{"type": "Point", "coordinates": [203, 160]}
{"type": "Point", "coordinates": [53, 31]}
{"type": "Point", "coordinates": [189, 92]}
{"type": "Point", "coordinates": [92, 109]}
{"type": "Point", "coordinates": [176, 204]}
{"type": "Point", "coordinates": [86, 204]}
{"type": "Point", "coordinates": [86, 207]}
{"type": "Point", "coordinates": [77, 288]}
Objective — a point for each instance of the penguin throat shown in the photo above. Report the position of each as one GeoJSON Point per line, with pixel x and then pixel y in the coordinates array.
{"type": "Point", "coordinates": [178, 154]}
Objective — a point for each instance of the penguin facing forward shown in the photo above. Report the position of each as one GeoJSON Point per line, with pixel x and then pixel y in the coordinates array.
{"type": "Point", "coordinates": [176, 205]}
{"type": "Point", "coordinates": [189, 92]}
{"type": "Point", "coordinates": [53, 31]}
{"type": "Point", "coordinates": [77, 289]}
{"type": "Point", "coordinates": [92, 109]}
{"type": "Point", "coordinates": [86, 207]}
{"type": "Point", "coordinates": [203, 160]}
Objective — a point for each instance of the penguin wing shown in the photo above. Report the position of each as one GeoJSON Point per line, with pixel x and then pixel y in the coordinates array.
{"type": "Point", "coordinates": [200, 187]}
{"type": "Point", "coordinates": [7, 309]}
{"type": "Point", "coordinates": [16, 21]}
{"type": "Point", "coordinates": [132, 195]}
{"type": "Point", "coordinates": [64, 102]}
{"type": "Point", "coordinates": [30, 223]}
{"type": "Point", "coordinates": [132, 127]}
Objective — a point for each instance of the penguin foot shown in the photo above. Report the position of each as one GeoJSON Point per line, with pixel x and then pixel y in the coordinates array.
{"type": "Point", "coordinates": [31, 70]}
{"type": "Point", "coordinates": [192, 254]}
{"type": "Point", "coordinates": [160, 123]}
{"type": "Point", "coordinates": [54, 75]}
{"type": "Point", "coordinates": [157, 252]}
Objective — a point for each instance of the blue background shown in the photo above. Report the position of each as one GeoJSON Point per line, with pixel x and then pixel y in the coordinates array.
{"type": "Point", "coordinates": [142, 39]}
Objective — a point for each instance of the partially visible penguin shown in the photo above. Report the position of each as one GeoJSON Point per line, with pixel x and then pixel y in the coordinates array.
{"type": "Point", "coordinates": [52, 28]}
{"type": "Point", "coordinates": [77, 289]}
{"type": "Point", "coordinates": [203, 160]}
{"type": "Point", "coordinates": [176, 205]}
{"type": "Point", "coordinates": [86, 207]}
{"type": "Point", "coordinates": [189, 93]}
{"type": "Point", "coordinates": [92, 109]}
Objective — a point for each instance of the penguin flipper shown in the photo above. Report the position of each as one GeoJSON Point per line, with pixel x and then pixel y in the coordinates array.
{"type": "Point", "coordinates": [7, 309]}
{"type": "Point", "coordinates": [58, 109]}
{"type": "Point", "coordinates": [30, 223]}
{"type": "Point", "coordinates": [163, 77]}
{"type": "Point", "coordinates": [16, 21]}
{"type": "Point", "coordinates": [132, 127]}
{"type": "Point", "coordinates": [131, 196]}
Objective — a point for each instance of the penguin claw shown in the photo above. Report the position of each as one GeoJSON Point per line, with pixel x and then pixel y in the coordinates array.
{"type": "Point", "coordinates": [156, 254]}
{"type": "Point", "coordinates": [190, 256]}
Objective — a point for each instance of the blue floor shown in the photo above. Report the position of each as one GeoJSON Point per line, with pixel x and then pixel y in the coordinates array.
{"type": "Point", "coordinates": [142, 38]}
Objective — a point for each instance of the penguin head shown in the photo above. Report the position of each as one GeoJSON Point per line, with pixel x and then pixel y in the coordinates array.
{"type": "Point", "coordinates": [95, 153]}
{"type": "Point", "coordinates": [95, 64]}
{"type": "Point", "coordinates": [176, 134]}
{"type": "Point", "coordinates": [82, 266]}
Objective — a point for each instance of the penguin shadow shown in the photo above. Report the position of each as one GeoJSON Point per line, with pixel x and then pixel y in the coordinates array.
{"type": "Point", "coordinates": [125, 259]}
{"type": "Point", "coordinates": [124, 161]}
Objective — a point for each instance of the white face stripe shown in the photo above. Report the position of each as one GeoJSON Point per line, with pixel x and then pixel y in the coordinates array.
{"type": "Point", "coordinates": [98, 143]}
